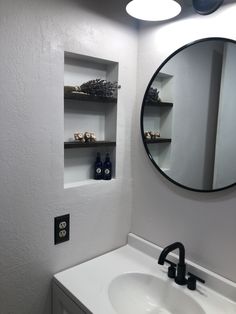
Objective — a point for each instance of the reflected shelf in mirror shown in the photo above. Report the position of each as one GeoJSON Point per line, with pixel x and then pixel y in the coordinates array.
{"type": "Point", "coordinates": [158, 140]}
{"type": "Point", "coordinates": [158, 104]}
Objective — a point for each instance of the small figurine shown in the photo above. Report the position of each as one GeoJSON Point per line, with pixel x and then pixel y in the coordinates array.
{"type": "Point", "coordinates": [147, 135]}
{"type": "Point", "coordinates": [76, 136]}
{"type": "Point", "coordinates": [156, 135]}
{"type": "Point", "coordinates": [150, 135]}
{"type": "Point", "coordinates": [79, 137]}
{"type": "Point", "coordinates": [87, 136]}
{"type": "Point", "coordinates": [92, 137]}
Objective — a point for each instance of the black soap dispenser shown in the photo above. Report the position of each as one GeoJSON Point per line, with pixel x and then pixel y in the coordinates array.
{"type": "Point", "coordinates": [98, 173]}
{"type": "Point", "coordinates": [107, 168]}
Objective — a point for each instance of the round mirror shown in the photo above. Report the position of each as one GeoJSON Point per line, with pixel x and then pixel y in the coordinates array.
{"type": "Point", "coordinates": [188, 116]}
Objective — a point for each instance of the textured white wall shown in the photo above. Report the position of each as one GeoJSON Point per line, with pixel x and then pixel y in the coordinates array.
{"type": "Point", "coordinates": [33, 37]}
{"type": "Point", "coordinates": [164, 213]}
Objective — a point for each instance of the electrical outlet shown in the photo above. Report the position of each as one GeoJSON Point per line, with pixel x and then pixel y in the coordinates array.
{"type": "Point", "coordinates": [61, 229]}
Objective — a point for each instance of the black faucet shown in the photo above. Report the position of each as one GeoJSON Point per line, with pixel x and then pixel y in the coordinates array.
{"type": "Point", "coordinates": [181, 266]}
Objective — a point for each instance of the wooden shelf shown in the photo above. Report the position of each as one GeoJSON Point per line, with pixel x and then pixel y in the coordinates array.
{"type": "Point", "coordinates": [158, 140]}
{"type": "Point", "coordinates": [159, 104]}
{"type": "Point", "coordinates": [85, 97]}
{"type": "Point", "coordinates": [76, 144]}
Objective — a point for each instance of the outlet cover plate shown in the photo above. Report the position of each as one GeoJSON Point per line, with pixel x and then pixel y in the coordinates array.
{"type": "Point", "coordinates": [61, 229]}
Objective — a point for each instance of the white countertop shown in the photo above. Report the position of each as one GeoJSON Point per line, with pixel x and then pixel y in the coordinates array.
{"type": "Point", "coordinates": [88, 282]}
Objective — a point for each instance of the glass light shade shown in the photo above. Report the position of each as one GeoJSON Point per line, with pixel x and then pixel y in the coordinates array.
{"type": "Point", "coordinates": [153, 10]}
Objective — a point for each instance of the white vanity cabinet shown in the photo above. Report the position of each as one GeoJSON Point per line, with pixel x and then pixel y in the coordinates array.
{"type": "Point", "coordinates": [63, 304]}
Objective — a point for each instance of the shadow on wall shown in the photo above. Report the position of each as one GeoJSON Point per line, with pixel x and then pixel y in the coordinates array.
{"type": "Point", "coordinates": [114, 10]}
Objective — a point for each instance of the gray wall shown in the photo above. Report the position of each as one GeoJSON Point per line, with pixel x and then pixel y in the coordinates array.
{"type": "Point", "coordinates": [225, 166]}
{"type": "Point", "coordinates": [164, 213]}
{"type": "Point", "coordinates": [33, 37]}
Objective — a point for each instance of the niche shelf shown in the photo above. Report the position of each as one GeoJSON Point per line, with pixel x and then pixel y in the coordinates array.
{"type": "Point", "coordinates": [158, 118]}
{"type": "Point", "coordinates": [84, 97]}
{"type": "Point", "coordinates": [76, 144]}
{"type": "Point", "coordinates": [158, 140]}
{"type": "Point", "coordinates": [87, 113]}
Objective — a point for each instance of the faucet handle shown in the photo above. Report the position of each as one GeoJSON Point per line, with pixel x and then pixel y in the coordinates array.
{"type": "Point", "coordinates": [171, 269]}
{"type": "Point", "coordinates": [191, 281]}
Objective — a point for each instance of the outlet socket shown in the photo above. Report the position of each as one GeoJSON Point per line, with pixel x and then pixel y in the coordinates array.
{"type": "Point", "coordinates": [61, 229]}
{"type": "Point", "coordinates": [62, 225]}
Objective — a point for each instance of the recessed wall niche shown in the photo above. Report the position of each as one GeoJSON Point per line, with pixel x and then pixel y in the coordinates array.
{"type": "Point", "coordinates": [88, 113]}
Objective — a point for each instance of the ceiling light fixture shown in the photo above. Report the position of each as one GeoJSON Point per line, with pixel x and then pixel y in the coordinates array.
{"type": "Point", "coordinates": [153, 10]}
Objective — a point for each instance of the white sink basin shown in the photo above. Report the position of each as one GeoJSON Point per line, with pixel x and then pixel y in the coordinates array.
{"type": "Point", "coordinates": [142, 293]}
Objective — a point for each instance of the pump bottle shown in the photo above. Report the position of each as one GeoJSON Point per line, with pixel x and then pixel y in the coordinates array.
{"type": "Point", "coordinates": [98, 173]}
{"type": "Point", "coordinates": [107, 168]}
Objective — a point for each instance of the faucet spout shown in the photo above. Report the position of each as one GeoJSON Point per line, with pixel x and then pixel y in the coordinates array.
{"type": "Point", "coordinates": [170, 248]}
{"type": "Point", "coordinates": [181, 266]}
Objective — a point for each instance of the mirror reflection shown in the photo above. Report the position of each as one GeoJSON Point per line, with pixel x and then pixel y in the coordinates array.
{"type": "Point", "coordinates": [188, 116]}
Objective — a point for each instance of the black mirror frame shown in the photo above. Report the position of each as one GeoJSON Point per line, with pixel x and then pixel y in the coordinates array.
{"type": "Point", "coordinates": [142, 114]}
